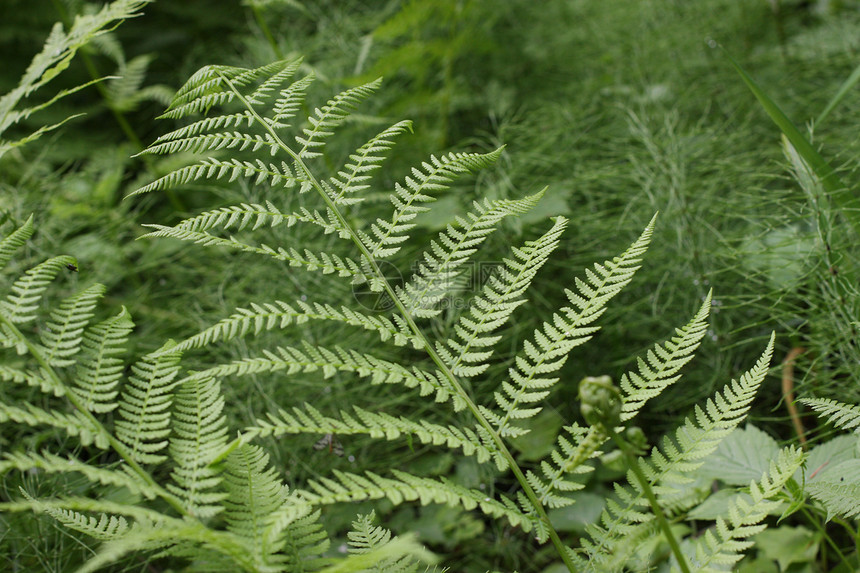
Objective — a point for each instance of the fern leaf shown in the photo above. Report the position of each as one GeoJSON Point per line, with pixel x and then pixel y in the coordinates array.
{"type": "Point", "coordinates": [323, 262]}
{"type": "Point", "coordinates": [260, 509]}
{"type": "Point", "coordinates": [291, 99]}
{"type": "Point", "coordinates": [662, 364]}
{"type": "Point", "coordinates": [276, 74]}
{"type": "Point", "coordinates": [74, 424]}
{"type": "Point", "coordinates": [229, 169]}
{"type": "Point", "coordinates": [235, 140]}
{"type": "Point", "coordinates": [268, 316]}
{"type": "Point", "coordinates": [408, 199]}
{"type": "Point", "coordinates": [438, 273]}
{"type": "Point", "coordinates": [845, 416]}
{"type": "Point", "coordinates": [465, 354]}
{"type": "Point", "coordinates": [50, 463]}
{"type": "Point", "coordinates": [316, 358]}
{"type": "Point", "coordinates": [353, 177]}
{"type": "Point", "coordinates": [214, 85]}
{"type": "Point", "coordinates": [373, 549]}
{"type": "Point", "coordinates": [404, 487]}
{"type": "Point", "coordinates": [723, 545]}
{"type": "Point", "coordinates": [240, 217]}
{"type": "Point", "coordinates": [375, 424]}
{"type": "Point", "coordinates": [98, 370]}
{"type": "Point", "coordinates": [21, 304]}
{"type": "Point", "coordinates": [104, 527]}
{"type": "Point", "coordinates": [14, 241]}
{"type": "Point", "coordinates": [332, 115]}
{"type": "Point", "coordinates": [199, 433]}
{"type": "Point", "coordinates": [64, 330]}
{"type": "Point", "coordinates": [547, 353]}
{"type": "Point", "coordinates": [569, 457]}
{"type": "Point", "coordinates": [671, 464]}
{"type": "Point", "coordinates": [838, 489]}
{"type": "Point", "coordinates": [144, 406]}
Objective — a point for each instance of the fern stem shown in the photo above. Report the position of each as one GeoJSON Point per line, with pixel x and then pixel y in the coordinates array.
{"type": "Point", "coordinates": [633, 463]}
{"type": "Point", "coordinates": [817, 525]}
{"type": "Point", "coordinates": [114, 443]}
{"type": "Point", "coordinates": [407, 316]}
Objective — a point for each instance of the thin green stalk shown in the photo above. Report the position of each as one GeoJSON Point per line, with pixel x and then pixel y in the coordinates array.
{"type": "Point", "coordinates": [428, 347]}
{"type": "Point", "coordinates": [812, 519]}
{"type": "Point", "coordinates": [633, 464]}
{"type": "Point", "coordinates": [261, 22]}
{"type": "Point", "coordinates": [117, 446]}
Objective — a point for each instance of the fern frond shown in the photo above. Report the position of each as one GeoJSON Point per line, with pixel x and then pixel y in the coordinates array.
{"type": "Point", "coordinates": [74, 424]}
{"type": "Point", "coordinates": [722, 546]}
{"type": "Point", "coordinates": [50, 463]}
{"type": "Point", "coordinates": [547, 353]}
{"type": "Point", "coordinates": [15, 240]}
{"type": "Point", "coordinates": [254, 493]}
{"type": "Point", "coordinates": [229, 169]}
{"type": "Point", "coordinates": [845, 416]}
{"type": "Point", "coordinates": [254, 215]}
{"type": "Point", "coordinates": [199, 431]}
{"type": "Point", "coordinates": [404, 487]}
{"type": "Point", "coordinates": [502, 294]}
{"type": "Point", "coordinates": [380, 553]}
{"type": "Point", "coordinates": [42, 379]}
{"type": "Point", "coordinates": [353, 177]}
{"type": "Point", "coordinates": [103, 528]}
{"type": "Point", "coordinates": [662, 363]}
{"type": "Point", "coordinates": [98, 371]}
{"type": "Point", "coordinates": [144, 406]}
{"type": "Point", "coordinates": [323, 262]}
{"type": "Point", "coordinates": [235, 140]}
{"type": "Point", "coordinates": [64, 330]}
{"type": "Point", "coordinates": [438, 272]}
{"type": "Point", "coordinates": [125, 91]}
{"type": "Point", "coordinates": [332, 115]}
{"type": "Point", "coordinates": [569, 457]}
{"type": "Point", "coordinates": [283, 72]}
{"type": "Point", "coordinates": [290, 100]}
{"type": "Point", "coordinates": [308, 420]}
{"type": "Point", "coordinates": [283, 531]}
{"type": "Point", "coordinates": [316, 358]}
{"type": "Point", "coordinates": [408, 200]}
{"type": "Point", "coordinates": [671, 464]}
{"type": "Point", "coordinates": [838, 489]}
{"type": "Point", "coordinates": [21, 304]}
{"type": "Point", "coordinates": [278, 314]}
{"type": "Point", "coordinates": [213, 86]}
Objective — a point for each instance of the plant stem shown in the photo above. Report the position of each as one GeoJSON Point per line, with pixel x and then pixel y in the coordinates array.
{"type": "Point", "coordinates": [633, 464]}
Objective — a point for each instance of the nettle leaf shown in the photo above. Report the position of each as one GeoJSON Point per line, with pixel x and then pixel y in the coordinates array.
{"type": "Point", "coordinates": [742, 456]}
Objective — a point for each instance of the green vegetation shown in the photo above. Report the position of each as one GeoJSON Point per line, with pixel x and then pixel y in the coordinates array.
{"type": "Point", "coordinates": [311, 320]}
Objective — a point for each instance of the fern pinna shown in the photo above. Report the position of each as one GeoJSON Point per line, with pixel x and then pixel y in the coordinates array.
{"type": "Point", "coordinates": [222, 501]}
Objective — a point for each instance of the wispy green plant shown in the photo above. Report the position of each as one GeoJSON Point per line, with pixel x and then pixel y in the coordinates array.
{"type": "Point", "coordinates": [58, 52]}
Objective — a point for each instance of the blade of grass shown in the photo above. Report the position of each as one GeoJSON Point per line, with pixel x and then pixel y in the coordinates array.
{"type": "Point", "coordinates": [840, 95]}
{"type": "Point", "coordinates": [833, 185]}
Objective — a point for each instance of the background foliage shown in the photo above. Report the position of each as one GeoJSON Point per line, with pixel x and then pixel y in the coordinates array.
{"type": "Point", "coordinates": [621, 108]}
